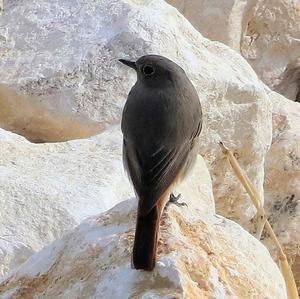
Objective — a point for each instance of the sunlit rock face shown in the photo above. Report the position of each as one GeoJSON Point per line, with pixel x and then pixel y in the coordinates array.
{"type": "Point", "coordinates": [200, 255]}
{"type": "Point", "coordinates": [282, 182]}
{"type": "Point", "coordinates": [272, 38]}
{"type": "Point", "coordinates": [67, 53]}
{"type": "Point", "coordinates": [27, 116]}
{"type": "Point", "coordinates": [47, 189]}
{"type": "Point", "coordinates": [224, 21]}
{"type": "Point", "coordinates": [268, 35]}
{"type": "Point", "coordinates": [265, 32]}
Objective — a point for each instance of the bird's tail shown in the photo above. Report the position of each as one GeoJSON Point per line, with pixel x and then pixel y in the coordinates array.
{"type": "Point", "coordinates": [146, 239]}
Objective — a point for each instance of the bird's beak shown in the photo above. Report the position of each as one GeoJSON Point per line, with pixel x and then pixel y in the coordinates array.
{"type": "Point", "coordinates": [128, 63]}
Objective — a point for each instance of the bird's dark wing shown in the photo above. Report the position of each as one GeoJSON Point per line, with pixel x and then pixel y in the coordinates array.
{"type": "Point", "coordinates": [152, 175]}
{"type": "Point", "coordinates": [159, 129]}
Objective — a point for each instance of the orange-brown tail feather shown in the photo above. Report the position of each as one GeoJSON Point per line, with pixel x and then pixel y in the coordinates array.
{"type": "Point", "coordinates": [146, 239]}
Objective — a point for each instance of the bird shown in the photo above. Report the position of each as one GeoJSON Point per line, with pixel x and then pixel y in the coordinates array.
{"type": "Point", "coordinates": [161, 124]}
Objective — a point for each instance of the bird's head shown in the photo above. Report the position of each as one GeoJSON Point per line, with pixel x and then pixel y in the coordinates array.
{"type": "Point", "coordinates": [155, 70]}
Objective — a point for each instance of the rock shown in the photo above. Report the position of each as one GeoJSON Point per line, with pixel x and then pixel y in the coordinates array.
{"type": "Point", "coordinates": [199, 256]}
{"type": "Point", "coordinates": [282, 183]}
{"type": "Point", "coordinates": [272, 38]}
{"type": "Point", "coordinates": [76, 68]}
{"type": "Point", "coordinates": [289, 81]}
{"type": "Point", "coordinates": [47, 189]}
{"type": "Point", "coordinates": [197, 189]}
{"type": "Point", "coordinates": [230, 18]}
{"type": "Point", "coordinates": [28, 117]}
{"type": "Point", "coordinates": [62, 56]}
{"type": "Point", "coordinates": [60, 52]}
{"type": "Point", "coordinates": [266, 33]}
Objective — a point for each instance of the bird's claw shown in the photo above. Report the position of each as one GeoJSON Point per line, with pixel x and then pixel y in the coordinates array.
{"type": "Point", "coordinates": [174, 199]}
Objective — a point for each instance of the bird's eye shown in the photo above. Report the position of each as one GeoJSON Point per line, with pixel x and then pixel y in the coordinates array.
{"type": "Point", "coordinates": [148, 70]}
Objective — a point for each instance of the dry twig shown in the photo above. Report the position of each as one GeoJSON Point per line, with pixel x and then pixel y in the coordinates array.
{"type": "Point", "coordinates": [283, 263]}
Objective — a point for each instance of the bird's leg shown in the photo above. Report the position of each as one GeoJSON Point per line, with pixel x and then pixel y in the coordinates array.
{"type": "Point", "coordinates": [174, 199]}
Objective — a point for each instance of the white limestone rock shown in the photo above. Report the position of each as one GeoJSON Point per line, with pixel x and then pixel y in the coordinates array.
{"type": "Point", "coordinates": [224, 21]}
{"type": "Point", "coordinates": [282, 182]}
{"type": "Point", "coordinates": [267, 33]}
{"type": "Point", "coordinates": [63, 52]}
{"type": "Point", "coordinates": [47, 189]}
{"type": "Point", "coordinates": [66, 53]}
{"type": "Point", "coordinates": [28, 117]}
{"type": "Point", "coordinates": [199, 256]}
{"type": "Point", "coordinates": [272, 38]}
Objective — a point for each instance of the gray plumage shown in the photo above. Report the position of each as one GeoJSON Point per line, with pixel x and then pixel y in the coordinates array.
{"type": "Point", "coordinates": [161, 123]}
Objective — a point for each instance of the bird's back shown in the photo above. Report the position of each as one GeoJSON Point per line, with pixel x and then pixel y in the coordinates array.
{"type": "Point", "coordinates": [167, 115]}
{"type": "Point", "coordinates": [159, 127]}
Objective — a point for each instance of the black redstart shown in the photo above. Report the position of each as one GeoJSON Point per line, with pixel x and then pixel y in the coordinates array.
{"type": "Point", "coordinates": [161, 122]}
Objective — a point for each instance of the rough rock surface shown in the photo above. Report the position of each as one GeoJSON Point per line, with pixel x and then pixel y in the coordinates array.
{"type": "Point", "coordinates": [289, 81]}
{"type": "Point", "coordinates": [269, 42]}
{"type": "Point", "coordinates": [199, 256]}
{"type": "Point", "coordinates": [282, 182]}
{"type": "Point", "coordinates": [49, 188]}
{"type": "Point", "coordinates": [272, 38]}
{"type": "Point", "coordinates": [28, 117]}
{"type": "Point", "coordinates": [66, 53]}
{"type": "Point", "coordinates": [46, 189]}
{"type": "Point", "coordinates": [224, 21]}
{"type": "Point", "coordinates": [266, 32]}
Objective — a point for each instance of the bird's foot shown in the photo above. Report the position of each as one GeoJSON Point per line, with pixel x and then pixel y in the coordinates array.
{"type": "Point", "coordinates": [174, 199]}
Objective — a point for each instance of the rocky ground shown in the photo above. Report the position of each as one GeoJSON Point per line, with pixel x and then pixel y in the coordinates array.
{"type": "Point", "coordinates": [61, 80]}
{"type": "Point", "coordinates": [201, 255]}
